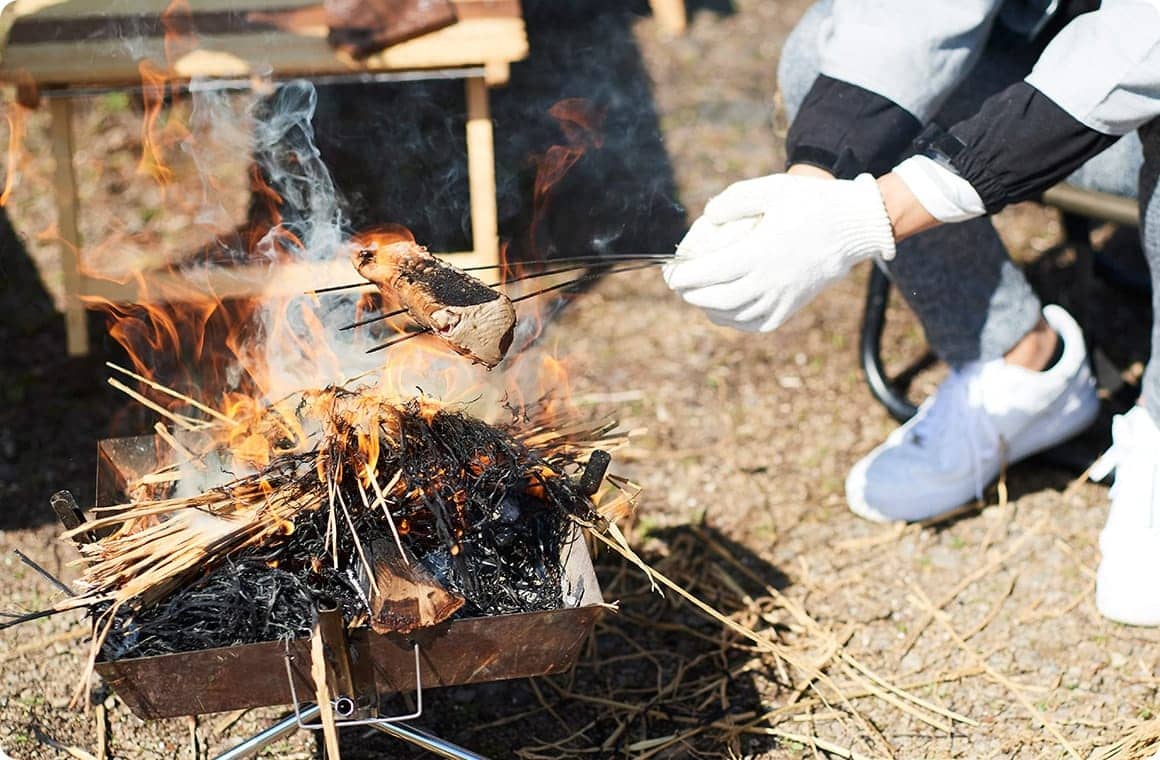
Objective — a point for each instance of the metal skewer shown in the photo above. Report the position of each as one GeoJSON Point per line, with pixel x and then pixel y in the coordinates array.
{"type": "Point", "coordinates": [525, 297]}
{"type": "Point", "coordinates": [521, 278]}
{"type": "Point", "coordinates": [578, 261]}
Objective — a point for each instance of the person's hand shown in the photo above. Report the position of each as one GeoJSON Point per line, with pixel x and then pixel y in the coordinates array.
{"type": "Point", "coordinates": [765, 247]}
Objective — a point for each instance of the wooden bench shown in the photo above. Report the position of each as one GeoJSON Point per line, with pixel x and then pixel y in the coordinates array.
{"type": "Point", "coordinates": [77, 48]}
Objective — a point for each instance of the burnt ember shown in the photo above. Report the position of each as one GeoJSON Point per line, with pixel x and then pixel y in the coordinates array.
{"type": "Point", "coordinates": [403, 515]}
{"type": "Point", "coordinates": [239, 603]}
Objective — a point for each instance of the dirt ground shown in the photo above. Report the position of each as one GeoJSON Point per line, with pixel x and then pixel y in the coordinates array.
{"type": "Point", "coordinates": [976, 637]}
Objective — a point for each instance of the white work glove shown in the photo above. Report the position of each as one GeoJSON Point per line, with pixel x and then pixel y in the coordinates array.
{"type": "Point", "coordinates": [765, 247]}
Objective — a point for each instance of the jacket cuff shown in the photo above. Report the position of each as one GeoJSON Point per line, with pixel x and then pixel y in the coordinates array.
{"type": "Point", "coordinates": [847, 130]}
{"type": "Point", "coordinates": [945, 195]}
{"type": "Point", "coordinates": [1019, 144]}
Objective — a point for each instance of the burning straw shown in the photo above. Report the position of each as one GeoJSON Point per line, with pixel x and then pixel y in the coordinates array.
{"type": "Point", "coordinates": [407, 513]}
{"type": "Point", "coordinates": [404, 513]}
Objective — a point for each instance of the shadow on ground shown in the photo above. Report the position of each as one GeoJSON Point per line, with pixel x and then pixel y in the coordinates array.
{"type": "Point", "coordinates": [655, 669]}
{"type": "Point", "coordinates": [53, 408]}
{"type": "Point", "coordinates": [398, 151]}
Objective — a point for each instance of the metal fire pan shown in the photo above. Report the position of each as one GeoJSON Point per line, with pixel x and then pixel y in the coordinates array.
{"type": "Point", "coordinates": [464, 651]}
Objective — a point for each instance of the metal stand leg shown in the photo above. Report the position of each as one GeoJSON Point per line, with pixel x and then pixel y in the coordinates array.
{"type": "Point", "coordinates": [432, 744]}
{"type": "Point", "coordinates": [289, 725]}
{"type": "Point", "coordinates": [258, 742]}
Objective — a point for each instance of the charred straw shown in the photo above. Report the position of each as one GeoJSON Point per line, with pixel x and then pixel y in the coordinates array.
{"type": "Point", "coordinates": [481, 514]}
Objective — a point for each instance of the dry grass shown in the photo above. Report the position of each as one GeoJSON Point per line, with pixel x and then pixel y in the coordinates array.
{"type": "Point", "coordinates": [973, 638]}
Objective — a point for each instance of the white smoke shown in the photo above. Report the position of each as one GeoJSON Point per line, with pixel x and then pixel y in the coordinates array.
{"type": "Point", "coordinates": [298, 337]}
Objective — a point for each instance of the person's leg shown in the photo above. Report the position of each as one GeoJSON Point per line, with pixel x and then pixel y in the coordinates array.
{"type": "Point", "coordinates": [1126, 588]}
{"type": "Point", "coordinates": [971, 299]}
{"type": "Point", "coordinates": [799, 63]}
{"type": "Point", "coordinates": [973, 302]}
{"type": "Point", "coordinates": [1149, 198]}
{"type": "Point", "coordinates": [981, 316]}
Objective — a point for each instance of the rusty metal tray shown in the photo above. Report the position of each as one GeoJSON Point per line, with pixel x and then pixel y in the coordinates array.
{"type": "Point", "coordinates": [470, 650]}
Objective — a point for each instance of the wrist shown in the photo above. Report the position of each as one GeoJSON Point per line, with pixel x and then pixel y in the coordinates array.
{"type": "Point", "coordinates": [808, 170]}
{"type": "Point", "coordinates": [907, 216]}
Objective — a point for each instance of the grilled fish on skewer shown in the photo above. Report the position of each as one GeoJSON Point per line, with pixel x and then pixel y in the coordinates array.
{"type": "Point", "coordinates": [472, 318]}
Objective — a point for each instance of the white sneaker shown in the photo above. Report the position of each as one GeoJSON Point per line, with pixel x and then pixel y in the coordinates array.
{"type": "Point", "coordinates": [983, 416]}
{"type": "Point", "coordinates": [1128, 580]}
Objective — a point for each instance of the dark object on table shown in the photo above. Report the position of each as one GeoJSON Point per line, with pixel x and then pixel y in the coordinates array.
{"type": "Point", "coordinates": [361, 29]}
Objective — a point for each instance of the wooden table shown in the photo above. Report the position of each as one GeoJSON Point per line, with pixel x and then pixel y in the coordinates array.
{"type": "Point", "coordinates": [670, 15]}
{"type": "Point", "coordinates": [74, 48]}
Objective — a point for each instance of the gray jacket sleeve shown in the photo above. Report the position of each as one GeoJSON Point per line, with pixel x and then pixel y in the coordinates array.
{"type": "Point", "coordinates": [912, 52]}
{"type": "Point", "coordinates": [1103, 68]}
{"type": "Point", "coordinates": [886, 66]}
{"type": "Point", "coordinates": [1098, 78]}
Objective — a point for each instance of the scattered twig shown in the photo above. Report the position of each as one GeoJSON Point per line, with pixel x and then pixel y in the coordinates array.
{"type": "Point", "coordinates": [943, 619]}
{"type": "Point", "coordinates": [826, 746]}
{"type": "Point", "coordinates": [996, 608]}
{"type": "Point", "coordinates": [982, 571]}
{"type": "Point", "coordinates": [68, 749]}
{"type": "Point", "coordinates": [227, 721]}
{"type": "Point", "coordinates": [185, 423]}
{"type": "Point", "coordinates": [101, 716]}
{"type": "Point", "coordinates": [40, 645]}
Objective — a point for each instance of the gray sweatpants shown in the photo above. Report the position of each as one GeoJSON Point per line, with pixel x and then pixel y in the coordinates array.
{"type": "Point", "coordinates": [973, 301]}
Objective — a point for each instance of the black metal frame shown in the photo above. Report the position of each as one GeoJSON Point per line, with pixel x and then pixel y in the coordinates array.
{"type": "Point", "coordinates": [887, 391]}
{"type": "Point", "coordinates": [891, 392]}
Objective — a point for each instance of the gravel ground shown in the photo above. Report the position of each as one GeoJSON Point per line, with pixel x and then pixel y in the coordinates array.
{"type": "Point", "coordinates": [989, 615]}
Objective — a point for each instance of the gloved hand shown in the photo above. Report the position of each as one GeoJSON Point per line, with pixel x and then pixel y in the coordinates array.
{"type": "Point", "coordinates": [765, 247]}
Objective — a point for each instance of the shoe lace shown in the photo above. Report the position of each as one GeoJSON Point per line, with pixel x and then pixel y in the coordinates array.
{"type": "Point", "coordinates": [1107, 462]}
{"type": "Point", "coordinates": [1123, 449]}
{"type": "Point", "coordinates": [1130, 449]}
{"type": "Point", "coordinates": [956, 412]}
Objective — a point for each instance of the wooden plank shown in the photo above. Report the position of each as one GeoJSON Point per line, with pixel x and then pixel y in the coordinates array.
{"type": "Point", "coordinates": [481, 173]}
{"type": "Point", "coordinates": [86, 29]}
{"type": "Point", "coordinates": [670, 15]}
{"type": "Point", "coordinates": [64, 180]}
{"type": "Point", "coordinates": [79, 8]}
{"type": "Point", "coordinates": [275, 53]}
{"type": "Point", "coordinates": [322, 692]}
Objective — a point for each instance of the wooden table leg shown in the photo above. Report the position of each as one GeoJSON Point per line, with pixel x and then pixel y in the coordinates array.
{"type": "Point", "coordinates": [481, 173]}
{"type": "Point", "coordinates": [64, 178]}
{"type": "Point", "coordinates": [670, 14]}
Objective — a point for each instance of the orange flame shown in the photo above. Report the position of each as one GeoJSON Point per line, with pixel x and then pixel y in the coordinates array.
{"type": "Point", "coordinates": [580, 121]}
{"type": "Point", "coordinates": [154, 85]}
{"type": "Point", "coordinates": [216, 350]}
{"type": "Point", "coordinates": [177, 21]}
{"type": "Point", "coordinates": [15, 116]}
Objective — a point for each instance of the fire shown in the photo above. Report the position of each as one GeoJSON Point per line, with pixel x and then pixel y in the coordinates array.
{"type": "Point", "coordinates": [153, 88]}
{"type": "Point", "coordinates": [265, 363]}
{"type": "Point", "coordinates": [15, 116]}
{"type": "Point", "coordinates": [176, 19]}
{"type": "Point", "coordinates": [581, 122]}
